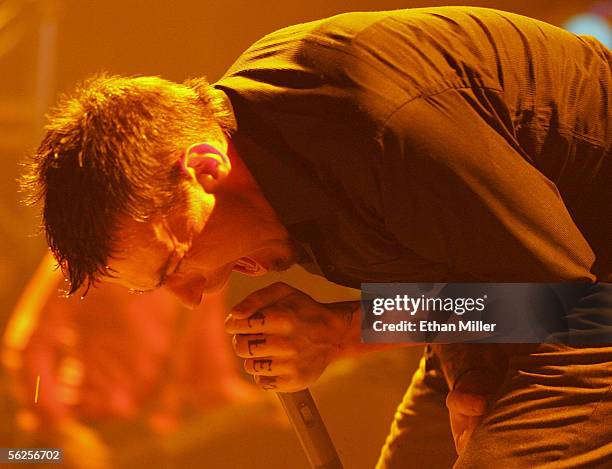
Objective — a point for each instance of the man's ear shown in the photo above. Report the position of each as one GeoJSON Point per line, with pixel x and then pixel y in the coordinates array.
{"type": "Point", "coordinates": [207, 164]}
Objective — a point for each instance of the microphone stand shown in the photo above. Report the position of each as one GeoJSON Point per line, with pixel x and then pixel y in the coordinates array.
{"type": "Point", "coordinates": [310, 429]}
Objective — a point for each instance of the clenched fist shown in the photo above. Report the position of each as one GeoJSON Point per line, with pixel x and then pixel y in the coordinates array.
{"type": "Point", "coordinates": [286, 338]}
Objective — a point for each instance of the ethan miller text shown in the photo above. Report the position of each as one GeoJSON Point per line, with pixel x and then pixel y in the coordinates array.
{"type": "Point", "coordinates": [433, 326]}
{"type": "Point", "coordinates": [468, 326]}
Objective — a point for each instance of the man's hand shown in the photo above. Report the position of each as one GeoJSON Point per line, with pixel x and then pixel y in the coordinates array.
{"type": "Point", "coordinates": [467, 403]}
{"type": "Point", "coordinates": [473, 373]}
{"type": "Point", "coordinates": [286, 337]}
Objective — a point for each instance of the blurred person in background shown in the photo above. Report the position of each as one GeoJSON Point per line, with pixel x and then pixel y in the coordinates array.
{"type": "Point", "coordinates": [111, 360]}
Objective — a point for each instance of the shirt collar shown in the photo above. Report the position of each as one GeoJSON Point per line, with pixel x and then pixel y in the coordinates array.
{"type": "Point", "coordinates": [286, 178]}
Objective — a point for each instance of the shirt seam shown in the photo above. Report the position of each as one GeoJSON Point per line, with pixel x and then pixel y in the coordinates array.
{"type": "Point", "coordinates": [534, 125]}
{"type": "Point", "coordinates": [432, 90]}
{"type": "Point", "coordinates": [449, 86]}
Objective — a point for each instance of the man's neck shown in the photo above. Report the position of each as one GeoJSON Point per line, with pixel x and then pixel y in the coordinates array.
{"type": "Point", "coordinates": [242, 183]}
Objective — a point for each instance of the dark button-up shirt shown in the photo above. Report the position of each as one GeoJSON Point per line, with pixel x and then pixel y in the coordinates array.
{"type": "Point", "coordinates": [438, 144]}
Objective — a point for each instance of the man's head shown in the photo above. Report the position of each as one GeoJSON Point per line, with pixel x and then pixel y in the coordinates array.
{"type": "Point", "coordinates": [137, 176]}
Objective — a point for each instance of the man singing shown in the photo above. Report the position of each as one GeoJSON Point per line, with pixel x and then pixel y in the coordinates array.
{"type": "Point", "coordinates": [428, 145]}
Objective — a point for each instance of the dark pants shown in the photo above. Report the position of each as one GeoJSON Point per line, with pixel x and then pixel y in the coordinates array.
{"type": "Point", "coordinates": [554, 410]}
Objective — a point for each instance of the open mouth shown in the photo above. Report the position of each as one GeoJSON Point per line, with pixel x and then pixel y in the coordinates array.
{"type": "Point", "coordinates": [247, 266]}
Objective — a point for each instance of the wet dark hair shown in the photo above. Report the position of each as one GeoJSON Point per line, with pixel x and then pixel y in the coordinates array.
{"type": "Point", "coordinates": [110, 150]}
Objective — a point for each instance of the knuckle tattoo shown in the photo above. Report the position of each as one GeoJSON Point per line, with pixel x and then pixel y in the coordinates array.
{"type": "Point", "coordinates": [262, 364]}
{"type": "Point", "coordinates": [254, 343]}
{"type": "Point", "coordinates": [257, 316]}
{"type": "Point", "coordinates": [267, 382]}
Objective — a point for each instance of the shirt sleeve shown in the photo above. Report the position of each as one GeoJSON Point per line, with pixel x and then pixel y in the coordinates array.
{"type": "Point", "coordinates": [460, 191]}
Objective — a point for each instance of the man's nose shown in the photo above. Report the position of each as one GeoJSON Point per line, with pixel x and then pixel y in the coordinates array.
{"type": "Point", "coordinates": [188, 293]}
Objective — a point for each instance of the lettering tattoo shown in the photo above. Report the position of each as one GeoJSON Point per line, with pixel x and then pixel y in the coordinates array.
{"type": "Point", "coordinates": [262, 365]}
{"type": "Point", "coordinates": [267, 382]}
{"type": "Point", "coordinates": [254, 343]}
{"type": "Point", "coordinates": [258, 316]}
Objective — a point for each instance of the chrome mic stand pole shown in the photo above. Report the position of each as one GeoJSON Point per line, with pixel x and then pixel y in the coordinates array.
{"type": "Point", "coordinates": [310, 429]}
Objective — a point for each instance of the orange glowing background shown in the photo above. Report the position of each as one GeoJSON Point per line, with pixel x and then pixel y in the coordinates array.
{"type": "Point", "coordinates": [48, 46]}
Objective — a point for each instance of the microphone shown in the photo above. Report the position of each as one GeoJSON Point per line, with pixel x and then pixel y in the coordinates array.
{"type": "Point", "coordinates": [310, 429]}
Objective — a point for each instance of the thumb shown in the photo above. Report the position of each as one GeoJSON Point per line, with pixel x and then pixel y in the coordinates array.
{"type": "Point", "coordinates": [238, 314]}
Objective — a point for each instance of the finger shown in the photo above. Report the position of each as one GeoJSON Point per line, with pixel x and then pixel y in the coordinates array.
{"type": "Point", "coordinates": [267, 366]}
{"type": "Point", "coordinates": [465, 437]}
{"type": "Point", "coordinates": [278, 383]}
{"type": "Point", "coordinates": [458, 424]}
{"type": "Point", "coordinates": [271, 320]}
{"type": "Point", "coordinates": [259, 345]}
{"type": "Point", "coordinates": [269, 383]}
{"type": "Point", "coordinates": [466, 403]}
{"type": "Point", "coordinates": [261, 298]}
{"type": "Point", "coordinates": [460, 443]}
{"type": "Point", "coordinates": [462, 428]}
